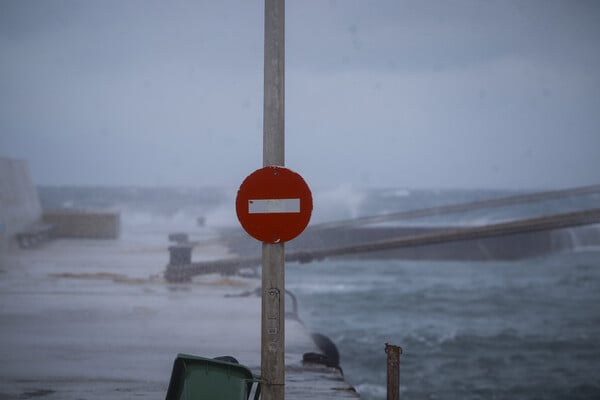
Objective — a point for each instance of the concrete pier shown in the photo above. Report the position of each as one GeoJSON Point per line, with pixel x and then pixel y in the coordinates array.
{"type": "Point", "coordinates": [94, 319]}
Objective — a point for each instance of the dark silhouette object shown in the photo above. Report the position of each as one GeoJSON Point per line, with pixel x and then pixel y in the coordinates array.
{"type": "Point", "coordinates": [205, 378]}
{"type": "Point", "coordinates": [329, 355]}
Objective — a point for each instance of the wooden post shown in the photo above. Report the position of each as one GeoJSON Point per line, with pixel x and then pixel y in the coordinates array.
{"type": "Point", "coordinates": [393, 371]}
{"type": "Point", "coordinates": [273, 276]}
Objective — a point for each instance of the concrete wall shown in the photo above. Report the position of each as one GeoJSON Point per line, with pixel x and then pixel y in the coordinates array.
{"type": "Point", "coordinates": [19, 202]}
{"type": "Point", "coordinates": [91, 224]}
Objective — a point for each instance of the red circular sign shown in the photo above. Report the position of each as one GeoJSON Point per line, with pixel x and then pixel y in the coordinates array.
{"type": "Point", "coordinates": [274, 204]}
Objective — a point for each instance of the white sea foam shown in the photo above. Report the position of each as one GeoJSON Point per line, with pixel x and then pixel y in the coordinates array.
{"type": "Point", "coordinates": [338, 203]}
{"type": "Point", "coordinates": [222, 216]}
{"type": "Point", "coordinates": [372, 390]}
{"type": "Point", "coordinates": [325, 287]}
{"type": "Point", "coordinates": [143, 219]}
{"type": "Point", "coordinates": [396, 193]}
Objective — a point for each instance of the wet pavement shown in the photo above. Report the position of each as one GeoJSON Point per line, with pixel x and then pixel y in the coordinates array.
{"type": "Point", "coordinates": [91, 319]}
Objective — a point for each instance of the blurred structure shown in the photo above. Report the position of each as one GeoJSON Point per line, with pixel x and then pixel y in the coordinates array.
{"type": "Point", "coordinates": [19, 204]}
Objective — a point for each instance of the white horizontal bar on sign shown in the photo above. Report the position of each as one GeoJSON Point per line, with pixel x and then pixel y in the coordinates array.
{"type": "Point", "coordinates": [273, 206]}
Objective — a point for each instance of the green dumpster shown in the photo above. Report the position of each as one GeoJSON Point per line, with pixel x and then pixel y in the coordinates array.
{"type": "Point", "coordinates": [196, 378]}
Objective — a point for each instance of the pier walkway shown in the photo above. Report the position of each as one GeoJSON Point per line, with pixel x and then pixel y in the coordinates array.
{"type": "Point", "coordinates": [93, 319]}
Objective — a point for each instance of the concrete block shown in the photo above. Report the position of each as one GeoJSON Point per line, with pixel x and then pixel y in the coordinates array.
{"type": "Point", "coordinates": [91, 224]}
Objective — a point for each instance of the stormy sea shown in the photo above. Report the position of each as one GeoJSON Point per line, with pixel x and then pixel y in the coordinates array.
{"type": "Point", "coordinates": [481, 329]}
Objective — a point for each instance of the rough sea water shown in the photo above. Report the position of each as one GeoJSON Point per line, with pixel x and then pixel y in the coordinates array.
{"type": "Point", "coordinates": [525, 329]}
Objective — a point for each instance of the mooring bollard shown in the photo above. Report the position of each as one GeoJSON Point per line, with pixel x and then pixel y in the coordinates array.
{"type": "Point", "coordinates": [393, 371]}
{"type": "Point", "coordinates": [180, 256]}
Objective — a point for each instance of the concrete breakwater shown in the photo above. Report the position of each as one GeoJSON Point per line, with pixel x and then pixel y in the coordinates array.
{"type": "Point", "coordinates": [19, 203]}
{"type": "Point", "coordinates": [507, 247]}
{"type": "Point", "coordinates": [95, 319]}
{"type": "Point", "coordinates": [22, 217]}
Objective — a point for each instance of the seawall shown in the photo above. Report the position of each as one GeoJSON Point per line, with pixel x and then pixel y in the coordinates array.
{"type": "Point", "coordinates": [94, 319]}
{"type": "Point", "coordinates": [508, 247]}
{"type": "Point", "coordinates": [19, 203]}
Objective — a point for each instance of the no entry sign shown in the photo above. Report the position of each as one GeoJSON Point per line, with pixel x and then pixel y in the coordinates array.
{"type": "Point", "coordinates": [274, 204]}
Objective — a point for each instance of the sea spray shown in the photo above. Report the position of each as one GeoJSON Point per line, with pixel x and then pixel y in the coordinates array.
{"type": "Point", "coordinates": [337, 203]}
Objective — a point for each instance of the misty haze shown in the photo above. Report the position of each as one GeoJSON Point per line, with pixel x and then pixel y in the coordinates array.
{"type": "Point", "coordinates": [451, 149]}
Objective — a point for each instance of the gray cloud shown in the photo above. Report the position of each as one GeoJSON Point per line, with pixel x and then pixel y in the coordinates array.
{"type": "Point", "coordinates": [386, 93]}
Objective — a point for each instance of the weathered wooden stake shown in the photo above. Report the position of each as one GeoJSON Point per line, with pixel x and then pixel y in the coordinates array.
{"type": "Point", "coordinates": [393, 371]}
{"type": "Point", "coordinates": [273, 277]}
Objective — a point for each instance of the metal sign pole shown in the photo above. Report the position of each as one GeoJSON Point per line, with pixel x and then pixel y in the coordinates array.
{"type": "Point", "coordinates": [273, 277]}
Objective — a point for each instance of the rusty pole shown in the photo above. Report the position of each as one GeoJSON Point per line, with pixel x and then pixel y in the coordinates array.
{"type": "Point", "coordinates": [393, 371]}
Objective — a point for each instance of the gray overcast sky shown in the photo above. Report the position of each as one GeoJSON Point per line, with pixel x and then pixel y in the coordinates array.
{"type": "Point", "coordinates": [436, 94]}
